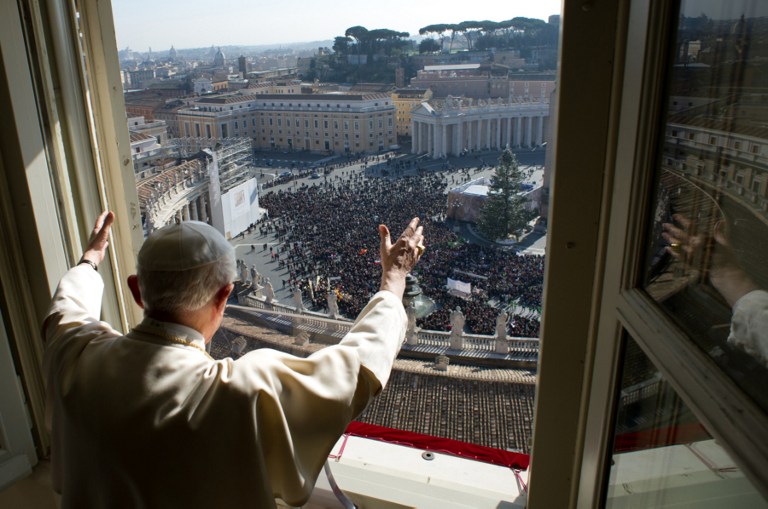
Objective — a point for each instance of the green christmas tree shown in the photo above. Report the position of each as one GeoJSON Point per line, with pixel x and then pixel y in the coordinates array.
{"type": "Point", "coordinates": [504, 212]}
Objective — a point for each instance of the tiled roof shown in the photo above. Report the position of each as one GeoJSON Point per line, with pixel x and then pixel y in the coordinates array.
{"type": "Point", "coordinates": [229, 99]}
{"type": "Point", "coordinates": [138, 137]}
{"type": "Point", "coordinates": [323, 97]}
{"type": "Point", "coordinates": [411, 92]}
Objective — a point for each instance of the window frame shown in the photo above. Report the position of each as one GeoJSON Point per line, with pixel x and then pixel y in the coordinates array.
{"type": "Point", "coordinates": [63, 96]}
{"type": "Point", "coordinates": [586, 244]}
{"type": "Point", "coordinates": [589, 75]}
{"type": "Point", "coordinates": [581, 344]}
{"type": "Point", "coordinates": [732, 417]}
{"type": "Point", "coordinates": [117, 189]}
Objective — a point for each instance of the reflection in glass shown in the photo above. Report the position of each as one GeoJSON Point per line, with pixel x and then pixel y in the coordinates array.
{"type": "Point", "coordinates": [662, 456]}
{"type": "Point", "coordinates": [709, 234]}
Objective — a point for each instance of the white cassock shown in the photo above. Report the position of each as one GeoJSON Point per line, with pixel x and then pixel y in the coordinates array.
{"type": "Point", "coordinates": [144, 420]}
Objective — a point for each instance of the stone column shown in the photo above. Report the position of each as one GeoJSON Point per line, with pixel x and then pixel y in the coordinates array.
{"type": "Point", "coordinates": [488, 133]}
{"type": "Point", "coordinates": [498, 133]}
{"type": "Point", "coordinates": [200, 208]}
{"type": "Point", "coordinates": [421, 137]}
{"type": "Point", "coordinates": [454, 138]}
{"type": "Point", "coordinates": [509, 131]}
{"type": "Point", "coordinates": [193, 209]}
{"type": "Point", "coordinates": [444, 142]}
{"type": "Point", "coordinates": [540, 131]}
{"type": "Point", "coordinates": [460, 144]}
{"type": "Point", "coordinates": [518, 129]}
{"type": "Point", "coordinates": [479, 134]}
{"type": "Point", "coordinates": [469, 134]}
{"type": "Point", "coordinates": [418, 128]}
{"type": "Point", "coordinates": [431, 139]}
{"type": "Point", "coordinates": [414, 137]}
{"type": "Point", "coordinates": [529, 128]}
{"type": "Point", "coordinates": [436, 138]}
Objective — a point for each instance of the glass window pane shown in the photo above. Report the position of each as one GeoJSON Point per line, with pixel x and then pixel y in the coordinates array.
{"type": "Point", "coordinates": [662, 455]}
{"type": "Point", "coordinates": [709, 235]}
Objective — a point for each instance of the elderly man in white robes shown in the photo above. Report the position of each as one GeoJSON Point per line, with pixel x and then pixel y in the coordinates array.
{"type": "Point", "coordinates": [149, 419]}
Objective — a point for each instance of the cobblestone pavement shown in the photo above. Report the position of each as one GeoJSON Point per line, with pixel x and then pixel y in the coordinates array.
{"type": "Point", "coordinates": [486, 406]}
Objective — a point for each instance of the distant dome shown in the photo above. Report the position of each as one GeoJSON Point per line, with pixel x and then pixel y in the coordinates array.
{"type": "Point", "coordinates": [172, 53]}
{"type": "Point", "coordinates": [219, 60]}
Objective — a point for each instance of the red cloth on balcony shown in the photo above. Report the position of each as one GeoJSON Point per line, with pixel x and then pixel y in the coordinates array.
{"type": "Point", "coordinates": [476, 452]}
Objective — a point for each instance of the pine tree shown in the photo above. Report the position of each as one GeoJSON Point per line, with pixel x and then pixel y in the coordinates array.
{"type": "Point", "coordinates": [504, 211]}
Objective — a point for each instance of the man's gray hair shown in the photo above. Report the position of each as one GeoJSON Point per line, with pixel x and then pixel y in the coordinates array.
{"type": "Point", "coordinates": [184, 290]}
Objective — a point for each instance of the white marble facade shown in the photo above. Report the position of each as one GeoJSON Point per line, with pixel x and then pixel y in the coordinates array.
{"type": "Point", "coordinates": [454, 125]}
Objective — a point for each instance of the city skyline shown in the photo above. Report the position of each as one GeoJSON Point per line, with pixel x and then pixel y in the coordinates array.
{"type": "Point", "coordinates": [141, 24]}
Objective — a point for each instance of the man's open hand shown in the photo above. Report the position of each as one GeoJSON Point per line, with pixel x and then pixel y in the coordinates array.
{"type": "Point", "coordinates": [99, 240]}
{"type": "Point", "coordinates": [399, 258]}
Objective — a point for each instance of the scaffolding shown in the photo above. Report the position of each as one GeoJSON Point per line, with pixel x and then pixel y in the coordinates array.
{"type": "Point", "coordinates": [235, 160]}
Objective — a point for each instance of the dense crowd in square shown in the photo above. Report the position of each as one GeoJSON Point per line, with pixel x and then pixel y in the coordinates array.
{"type": "Point", "coordinates": [326, 239]}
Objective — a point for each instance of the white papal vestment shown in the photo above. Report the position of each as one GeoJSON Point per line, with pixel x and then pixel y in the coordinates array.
{"type": "Point", "coordinates": [143, 421]}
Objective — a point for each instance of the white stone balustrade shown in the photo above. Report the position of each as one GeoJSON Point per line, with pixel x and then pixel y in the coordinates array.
{"type": "Point", "coordinates": [519, 349]}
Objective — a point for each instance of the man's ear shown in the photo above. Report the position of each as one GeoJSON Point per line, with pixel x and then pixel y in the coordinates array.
{"type": "Point", "coordinates": [133, 284]}
{"type": "Point", "coordinates": [220, 299]}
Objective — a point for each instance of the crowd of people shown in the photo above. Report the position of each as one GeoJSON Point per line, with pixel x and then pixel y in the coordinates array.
{"type": "Point", "coordinates": [328, 167]}
{"type": "Point", "coordinates": [327, 242]}
{"type": "Point", "coordinates": [509, 280]}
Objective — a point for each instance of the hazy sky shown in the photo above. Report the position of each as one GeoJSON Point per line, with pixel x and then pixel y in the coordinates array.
{"type": "Point", "coordinates": [192, 24]}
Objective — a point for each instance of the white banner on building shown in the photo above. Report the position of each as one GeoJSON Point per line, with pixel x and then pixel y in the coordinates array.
{"type": "Point", "coordinates": [459, 286]}
{"type": "Point", "coordinates": [240, 207]}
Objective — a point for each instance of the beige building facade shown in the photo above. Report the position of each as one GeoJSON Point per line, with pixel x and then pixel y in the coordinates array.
{"type": "Point", "coordinates": [325, 123]}
{"type": "Point", "coordinates": [406, 100]}
{"type": "Point", "coordinates": [483, 81]}
{"type": "Point", "coordinates": [714, 152]}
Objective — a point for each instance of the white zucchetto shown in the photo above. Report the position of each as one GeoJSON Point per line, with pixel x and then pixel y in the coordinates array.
{"type": "Point", "coordinates": [183, 246]}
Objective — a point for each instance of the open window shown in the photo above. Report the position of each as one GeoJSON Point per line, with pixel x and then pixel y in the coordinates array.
{"type": "Point", "coordinates": [608, 342]}
{"type": "Point", "coordinates": [668, 404]}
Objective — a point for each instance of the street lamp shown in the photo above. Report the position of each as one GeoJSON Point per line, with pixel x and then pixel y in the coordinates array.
{"type": "Point", "coordinates": [423, 305]}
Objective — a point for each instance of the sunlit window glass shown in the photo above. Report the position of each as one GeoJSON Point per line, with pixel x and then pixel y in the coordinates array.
{"type": "Point", "coordinates": [709, 236]}
{"type": "Point", "coordinates": [662, 455]}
